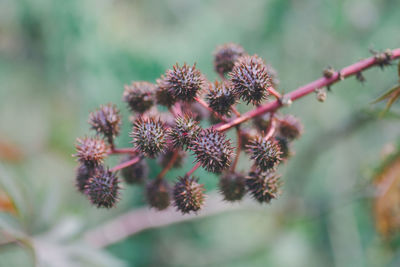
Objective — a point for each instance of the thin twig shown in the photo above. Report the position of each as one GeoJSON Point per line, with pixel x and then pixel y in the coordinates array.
{"type": "Point", "coordinates": [238, 148]}
{"type": "Point", "coordinates": [205, 105]}
{"type": "Point", "coordinates": [126, 150]}
{"type": "Point", "coordinates": [192, 170]}
{"type": "Point", "coordinates": [126, 164]}
{"type": "Point", "coordinates": [170, 164]}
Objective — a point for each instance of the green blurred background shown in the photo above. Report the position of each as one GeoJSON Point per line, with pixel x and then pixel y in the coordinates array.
{"type": "Point", "coordinates": [59, 60]}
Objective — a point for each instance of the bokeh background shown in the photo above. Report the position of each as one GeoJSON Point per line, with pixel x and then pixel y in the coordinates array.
{"type": "Point", "coordinates": [59, 60]}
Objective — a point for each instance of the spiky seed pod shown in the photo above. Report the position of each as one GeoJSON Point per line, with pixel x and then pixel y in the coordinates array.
{"type": "Point", "coordinates": [188, 194]}
{"type": "Point", "coordinates": [183, 83]}
{"type": "Point", "coordinates": [139, 96]}
{"type": "Point", "coordinates": [232, 186]}
{"type": "Point", "coordinates": [136, 173]}
{"type": "Point", "coordinates": [225, 57]}
{"type": "Point", "coordinates": [83, 173]}
{"type": "Point", "coordinates": [158, 194]}
{"type": "Point", "coordinates": [106, 121]}
{"type": "Point", "coordinates": [103, 189]}
{"type": "Point", "coordinates": [284, 146]}
{"type": "Point", "coordinates": [163, 95]}
{"type": "Point", "coordinates": [262, 122]}
{"type": "Point", "coordinates": [290, 127]}
{"type": "Point", "coordinates": [263, 186]}
{"type": "Point", "coordinates": [90, 151]}
{"type": "Point", "coordinates": [164, 158]}
{"type": "Point", "coordinates": [149, 136]}
{"type": "Point", "coordinates": [250, 79]}
{"type": "Point", "coordinates": [221, 97]}
{"type": "Point", "coordinates": [247, 135]}
{"type": "Point", "coordinates": [185, 130]}
{"type": "Point", "coordinates": [266, 153]}
{"type": "Point", "coordinates": [213, 150]}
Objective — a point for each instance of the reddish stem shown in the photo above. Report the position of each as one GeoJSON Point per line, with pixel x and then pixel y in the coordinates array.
{"type": "Point", "coordinates": [169, 165]}
{"type": "Point", "coordinates": [126, 150]}
{"type": "Point", "coordinates": [126, 164]}
{"type": "Point", "coordinates": [275, 93]}
{"type": "Point", "coordinates": [195, 167]}
{"type": "Point", "coordinates": [235, 111]}
{"type": "Point", "coordinates": [271, 128]}
{"type": "Point", "coordinates": [305, 90]}
{"type": "Point", "coordinates": [238, 148]}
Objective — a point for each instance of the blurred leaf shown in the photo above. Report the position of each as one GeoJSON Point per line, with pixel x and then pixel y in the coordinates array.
{"type": "Point", "coordinates": [9, 151]}
{"type": "Point", "coordinates": [5, 203]}
{"type": "Point", "coordinates": [387, 94]}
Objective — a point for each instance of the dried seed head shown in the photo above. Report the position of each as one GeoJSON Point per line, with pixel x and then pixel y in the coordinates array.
{"type": "Point", "coordinates": [213, 150]}
{"type": "Point", "coordinates": [149, 136]}
{"type": "Point", "coordinates": [232, 186]}
{"type": "Point", "coordinates": [290, 127]}
{"type": "Point", "coordinates": [250, 79]}
{"type": "Point", "coordinates": [163, 95]}
{"type": "Point", "coordinates": [188, 194]}
{"type": "Point", "coordinates": [158, 194]}
{"type": "Point", "coordinates": [164, 158]}
{"type": "Point", "coordinates": [185, 130]}
{"type": "Point", "coordinates": [266, 153]}
{"type": "Point", "coordinates": [83, 173]}
{"type": "Point", "coordinates": [284, 146]}
{"type": "Point", "coordinates": [90, 151]}
{"type": "Point", "coordinates": [225, 57]}
{"type": "Point", "coordinates": [106, 121]}
{"type": "Point", "coordinates": [103, 189]}
{"type": "Point", "coordinates": [136, 173]}
{"type": "Point", "coordinates": [183, 83]}
{"type": "Point", "coordinates": [221, 97]}
{"type": "Point", "coordinates": [263, 186]}
{"type": "Point", "coordinates": [139, 96]}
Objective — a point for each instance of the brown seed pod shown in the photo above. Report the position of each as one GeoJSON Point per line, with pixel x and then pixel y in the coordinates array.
{"type": "Point", "coordinates": [140, 96]}
{"type": "Point", "coordinates": [158, 194]}
{"type": "Point", "coordinates": [266, 153]}
{"type": "Point", "coordinates": [136, 173]}
{"type": "Point", "coordinates": [263, 186]}
{"type": "Point", "coordinates": [250, 79]}
{"type": "Point", "coordinates": [188, 195]}
{"type": "Point", "coordinates": [103, 188]}
{"type": "Point", "coordinates": [184, 132]}
{"type": "Point", "coordinates": [106, 121]}
{"type": "Point", "coordinates": [221, 97]}
{"type": "Point", "coordinates": [290, 127]}
{"type": "Point", "coordinates": [232, 186]}
{"type": "Point", "coordinates": [213, 150]}
{"type": "Point", "coordinates": [182, 83]}
{"type": "Point", "coordinates": [164, 158]}
{"type": "Point", "coordinates": [225, 57]}
{"type": "Point", "coordinates": [149, 136]}
{"type": "Point", "coordinates": [90, 151]}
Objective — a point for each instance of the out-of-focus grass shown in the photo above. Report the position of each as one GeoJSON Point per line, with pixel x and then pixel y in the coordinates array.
{"type": "Point", "coordinates": [61, 59]}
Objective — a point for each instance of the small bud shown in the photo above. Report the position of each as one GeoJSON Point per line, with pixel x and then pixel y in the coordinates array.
{"type": "Point", "coordinates": [184, 132]}
{"type": "Point", "coordinates": [225, 57]}
{"type": "Point", "coordinates": [383, 58]}
{"type": "Point", "coordinates": [164, 158]}
{"type": "Point", "coordinates": [106, 121]}
{"type": "Point", "coordinates": [266, 153]}
{"type": "Point", "coordinates": [232, 186]}
{"type": "Point", "coordinates": [188, 194]}
{"type": "Point", "coordinates": [290, 127]}
{"type": "Point", "coordinates": [158, 194]}
{"type": "Point", "coordinates": [90, 151]}
{"type": "Point", "coordinates": [213, 150]}
{"type": "Point", "coordinates": [328, 72]}
{"type": "Point", "coordinates": [139, 96]}
{"type": "Point", "coordinates": [321, 94]}
{"type": "Point", "coordinates": [136, 173]}
{"type": "Point", "coordinates": [183, 83]}
{"type": "Point", "coordinates": [250, 79]}
{"type": "Point", "coordinates": [263, 186]}
{"type": "Point", "coordinates": [149, 136]}
{"type": "Point", "coordinates": [221, 97]}
{"type": "Point", "coordinates": [103, 189]}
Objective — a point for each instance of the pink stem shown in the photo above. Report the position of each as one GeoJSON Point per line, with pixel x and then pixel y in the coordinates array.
{"type": "Point", "coordinates": [305, 90]}
{"type": "Point", "coordinates": [195, 167]}
{"type": "Point", "coordinates": [205, 105]}
{"type": "Point", "coordinates": [126, 150]}
{"type": "Point", "coordinates": [125, 164]}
